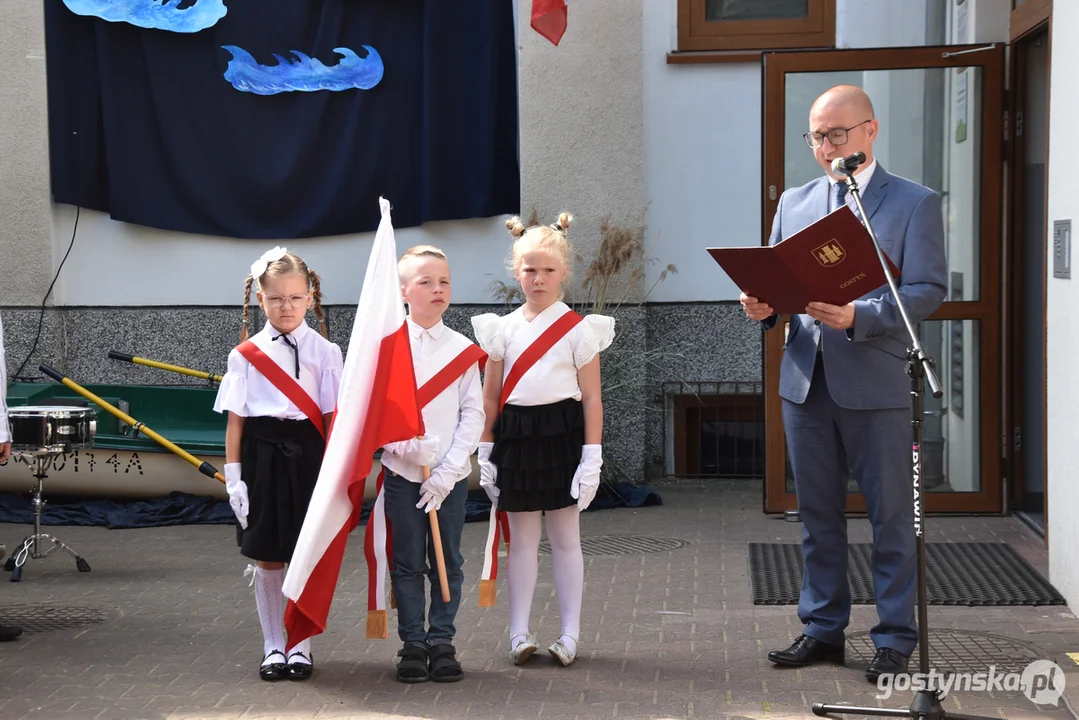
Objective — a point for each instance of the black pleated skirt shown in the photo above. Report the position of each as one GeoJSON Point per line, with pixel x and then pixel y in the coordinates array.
{"type": "Point", "coordinates": [280, 460]}
{"type": "Point", "coordinates": [537, 449]}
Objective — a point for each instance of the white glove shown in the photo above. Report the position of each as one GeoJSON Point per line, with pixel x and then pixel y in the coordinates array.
{"type": "Point", "coordinates": [488, 472]}
{"type": "Point", "coordinates": [237, 490]}
{"type": "Point", "coordinates": [418, 451]}
{"type": "Point", "coordinates": [586, 479]}
{"type": "Point", "coordinates": [434, 490]}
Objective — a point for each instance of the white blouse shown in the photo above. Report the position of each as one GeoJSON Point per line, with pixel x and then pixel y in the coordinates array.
{"type": "Point", "coordinates": [245, 391]}
{"type": "Point", "coordinates": [554, 376]}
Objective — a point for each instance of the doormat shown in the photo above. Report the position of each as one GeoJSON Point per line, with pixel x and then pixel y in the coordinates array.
{"type": "Point", "coordinates": [956, 574]}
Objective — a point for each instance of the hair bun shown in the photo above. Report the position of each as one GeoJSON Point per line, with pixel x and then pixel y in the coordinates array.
{"type": "Point", "coordinates": [515, 226]}
{"type": "Point", "coordinates": [564, 221]}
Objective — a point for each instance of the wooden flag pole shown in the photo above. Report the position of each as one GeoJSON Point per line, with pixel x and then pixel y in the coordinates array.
{"type": "Point", "coordinates": [436, 537]}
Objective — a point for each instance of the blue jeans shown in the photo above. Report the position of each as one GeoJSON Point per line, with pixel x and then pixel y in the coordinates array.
{"type": "Point", "coordinates": [412, 548]}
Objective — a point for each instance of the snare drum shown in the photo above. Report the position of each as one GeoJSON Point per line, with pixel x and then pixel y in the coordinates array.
{"type": "Point", "coordinates": [44, 429]}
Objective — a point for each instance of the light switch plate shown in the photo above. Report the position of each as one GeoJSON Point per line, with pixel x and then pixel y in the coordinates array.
{"type": "Point", "coordinates": [1062, 248]}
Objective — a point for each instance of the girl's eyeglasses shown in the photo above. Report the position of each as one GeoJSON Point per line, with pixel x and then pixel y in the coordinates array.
{"type": "Point", "coordinates": [280, 301]}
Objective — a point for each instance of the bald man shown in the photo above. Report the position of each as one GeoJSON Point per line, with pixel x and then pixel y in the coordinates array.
{"type": "Point", "coordinates": [846, 394]}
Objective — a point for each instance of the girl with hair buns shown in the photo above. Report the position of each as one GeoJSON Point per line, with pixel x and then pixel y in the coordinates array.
{"type": "Point", "coordinates": [541, 453]}
{"type": "Point", "coordinates": [280, 392]}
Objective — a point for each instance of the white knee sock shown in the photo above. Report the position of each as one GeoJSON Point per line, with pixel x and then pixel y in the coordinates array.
{"type": "Point", "coordinates": [271, 606]}
{"type": "Point", "coordinates": [523, 568]}
{"type": "Point", "coordinates": [304, 646]}
{"type": "Point", "coordinates": [564, 533]}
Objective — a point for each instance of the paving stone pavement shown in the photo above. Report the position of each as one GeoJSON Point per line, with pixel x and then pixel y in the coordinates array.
{"type": "Point", "coordinates": [164, 626]}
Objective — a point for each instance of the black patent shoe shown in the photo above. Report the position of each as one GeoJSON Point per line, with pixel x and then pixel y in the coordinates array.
{"type": "Point", "coordinates": [300, 670]}
{"type": "Point", "coordinates": [808, 650]}
{"type": "Point", "coordinates": [273, 670]}
{"type": "Point", "coordinates": [9, 633]}
{"type": "Point", "coordinates": [886, 662]}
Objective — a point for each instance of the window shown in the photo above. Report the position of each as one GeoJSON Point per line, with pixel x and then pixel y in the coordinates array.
{"type": "Point", "coordinates": [755, 24]}
{"type": "Point", "coordinates": [715, 429]}
{"type": "Point", "coordinates": [1027, 15]}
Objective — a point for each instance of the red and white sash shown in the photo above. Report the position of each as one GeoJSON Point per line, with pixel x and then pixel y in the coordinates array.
{"type": "Point", "coordinates": [377, 544]}
{"type": "Point", "coordinates": [547, 334]}
{"type": "Point", "coordinates": [284, 382]}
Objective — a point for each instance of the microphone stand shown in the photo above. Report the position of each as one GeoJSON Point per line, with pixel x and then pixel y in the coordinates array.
{"type": "Point", "coordinates": [927, 701]}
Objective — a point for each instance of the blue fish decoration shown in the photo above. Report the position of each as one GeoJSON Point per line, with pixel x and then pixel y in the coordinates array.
{"type": "Point", "coordinates": [152, 14]}
{"type": "Point", "coordinates": [306, 74]}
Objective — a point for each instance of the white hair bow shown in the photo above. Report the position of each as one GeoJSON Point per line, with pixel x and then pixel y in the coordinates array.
{"type": "Point", "coordinates": [258, 268]}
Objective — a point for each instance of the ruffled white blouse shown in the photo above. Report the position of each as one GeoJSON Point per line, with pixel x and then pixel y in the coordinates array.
{"type": "Point", "coordinates": [245, 391]}
{"type": "Point", "coordinates": [554, 376]}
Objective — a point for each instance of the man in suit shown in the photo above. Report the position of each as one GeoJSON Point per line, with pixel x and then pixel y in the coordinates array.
{"type": "Point", "coordinates": [846, 394]}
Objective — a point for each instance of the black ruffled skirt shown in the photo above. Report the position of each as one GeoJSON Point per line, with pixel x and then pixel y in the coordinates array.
{"type": "Point", "coordinates": [280, 461]}
{"type": "Point", "coordinates": [537, 449]}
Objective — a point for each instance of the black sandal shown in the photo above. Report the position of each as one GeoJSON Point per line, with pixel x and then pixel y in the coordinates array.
{"type": "Point", "coordinates": [413, 665]}
{"type": "Point", "coordinates": [444, 665]}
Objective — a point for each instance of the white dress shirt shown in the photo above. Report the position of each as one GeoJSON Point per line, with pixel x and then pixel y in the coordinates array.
{"type": "Point", "coordinates": [245, 391]}
{"type": "Point", "coordinates": [455, 416]}
{"type": "Point", "coordinates": [554, 376]}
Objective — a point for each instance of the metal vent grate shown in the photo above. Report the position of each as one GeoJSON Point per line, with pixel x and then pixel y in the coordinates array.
{"type": "Point", "coordinates": [622, 545]}
{"type": "Point", "coordinates": [48, 618]}
{"type": "Point", "coordinates": [956, 651]}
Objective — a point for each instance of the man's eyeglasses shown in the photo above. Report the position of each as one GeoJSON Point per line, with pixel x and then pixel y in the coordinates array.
{"type": "Point", "coordinates": [280, 301]}
{"type": "Point", "coordinates": [836, 137]}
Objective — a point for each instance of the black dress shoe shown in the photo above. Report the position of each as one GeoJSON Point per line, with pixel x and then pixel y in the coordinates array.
{"type": "Point", "coordinates": [274, 670]}
{"type": "Point", "coordinates": [807, 650]}
{"type": "Point", "coordinates": [886, 662]}
{"type": "Point", "coordinates": [300, 670]}
{"type": "Point", "coordinates": [9, 632]}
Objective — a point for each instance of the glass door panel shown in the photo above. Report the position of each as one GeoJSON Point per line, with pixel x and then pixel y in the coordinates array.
{"type": "Point", "coordinates": [940, 116]}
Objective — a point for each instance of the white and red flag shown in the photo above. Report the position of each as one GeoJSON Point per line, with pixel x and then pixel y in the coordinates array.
{"type": "Point", "coordinates": [376, 405]}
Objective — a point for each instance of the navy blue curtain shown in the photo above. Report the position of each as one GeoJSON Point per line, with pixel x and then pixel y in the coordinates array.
{"type": "Point", "coordinates": [144, 126]}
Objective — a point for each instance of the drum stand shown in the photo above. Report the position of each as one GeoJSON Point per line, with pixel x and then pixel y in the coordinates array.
{"type": "Point", "coordinates": [30, 547]}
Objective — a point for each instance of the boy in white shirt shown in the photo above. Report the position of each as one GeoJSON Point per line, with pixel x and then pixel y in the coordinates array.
{"type": "Point", "coordinates": [447, 367]}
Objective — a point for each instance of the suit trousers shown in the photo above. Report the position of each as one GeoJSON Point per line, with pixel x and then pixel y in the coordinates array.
{"type": "Point", "coordinates": [826, 443]}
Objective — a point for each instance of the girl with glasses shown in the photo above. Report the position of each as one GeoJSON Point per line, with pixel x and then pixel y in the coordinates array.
{"type": "Point", "coordinates": [280, 392]}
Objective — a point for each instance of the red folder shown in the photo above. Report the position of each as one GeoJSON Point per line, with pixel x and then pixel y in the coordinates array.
{"type": "Point", "coordinates": [831, 261]}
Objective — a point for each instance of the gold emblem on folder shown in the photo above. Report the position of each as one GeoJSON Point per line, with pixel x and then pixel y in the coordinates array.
{"type": "Point", "coordinates": [830, 253]}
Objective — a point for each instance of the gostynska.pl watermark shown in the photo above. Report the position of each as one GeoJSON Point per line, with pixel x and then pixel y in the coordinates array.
{"type": "Point", "coordinates": [1041, 682]}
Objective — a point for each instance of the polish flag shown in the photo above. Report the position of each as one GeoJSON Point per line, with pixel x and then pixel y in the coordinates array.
{"type": "Point", "coordinates": [376, 405]}
{"type": "Point", "coordinates": [549, 18]}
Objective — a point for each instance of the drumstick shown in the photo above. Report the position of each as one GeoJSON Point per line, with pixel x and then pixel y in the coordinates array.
{"type": "Point", "coordinates": [436, 537]}
{"type": "Point", "coordinates": [204, 467]}
{"type": "Point", "coordinates": [164, 366]}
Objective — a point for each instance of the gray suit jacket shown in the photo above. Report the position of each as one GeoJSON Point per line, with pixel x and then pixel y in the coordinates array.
{"type": "Point", "coordinates": [865, 366]}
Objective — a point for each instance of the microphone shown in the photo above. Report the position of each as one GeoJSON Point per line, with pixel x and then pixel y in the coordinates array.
{"type": "Point", "coordinates": [847, 165]}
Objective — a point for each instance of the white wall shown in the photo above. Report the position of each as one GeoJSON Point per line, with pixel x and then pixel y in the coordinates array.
{"type": "Point", "coordinates": [113, 263]}
{"type": "Point", "coordinates": [702, 157]}
{"type": "Point", "coordinates": [26, 226]}
{"type": "Point", "coordinates": [1062, 388]}
{"type": "Point", "coordinates": [581, 125]}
